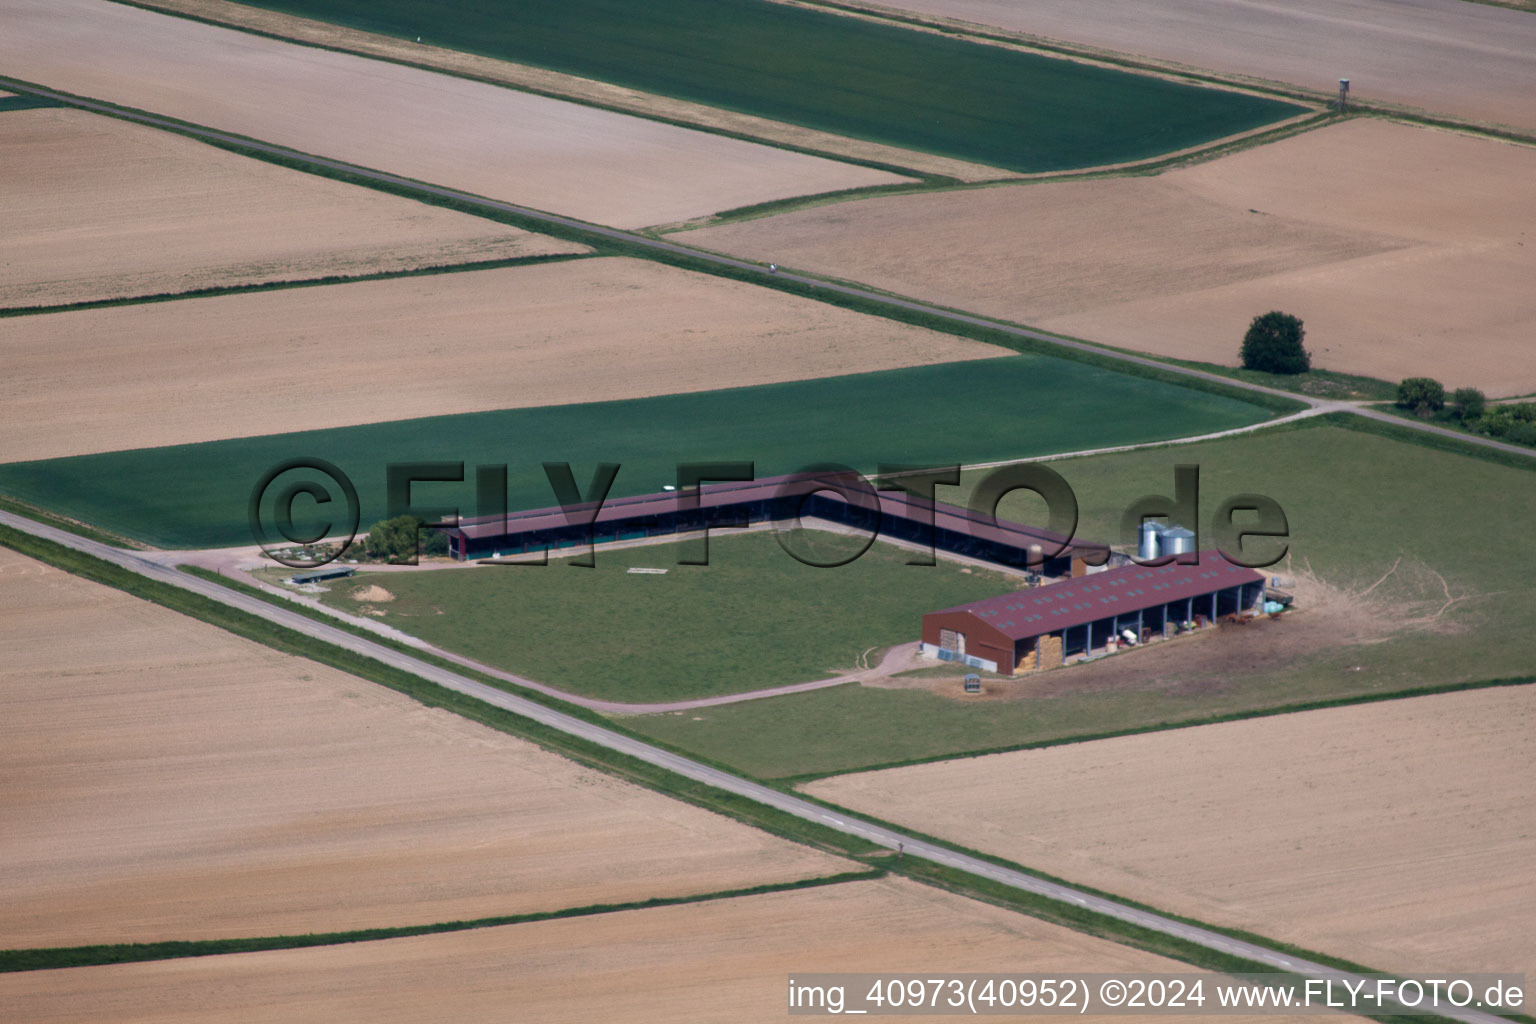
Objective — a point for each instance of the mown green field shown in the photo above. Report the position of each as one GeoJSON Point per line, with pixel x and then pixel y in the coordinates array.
{"type": "Point", "coordinates": [24, 103]}
{"type": "Point", "coordinates": [1447, 536]}
{"type": "Point", "coordinates": [754, 617]}
{"type": "Point", "coordinates": [918, 90]}
{"type": "Point", "coordinates": [194, 496]}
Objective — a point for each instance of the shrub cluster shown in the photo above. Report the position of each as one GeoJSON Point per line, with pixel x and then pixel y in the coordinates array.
{"type": "Point", "coordinates": [1514, 422]}
{"type": "Point", "coordinates": [394, 540]}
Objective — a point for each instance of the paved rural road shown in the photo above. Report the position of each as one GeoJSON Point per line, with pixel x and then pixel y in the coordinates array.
{"type": "Point", "coordinates": [788, 803]}
{"type": "Point", "coordinates": [659, 245]}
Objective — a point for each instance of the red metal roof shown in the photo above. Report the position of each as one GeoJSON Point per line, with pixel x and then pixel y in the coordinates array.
{"type": "Point", "coordinates": [1084, 599]}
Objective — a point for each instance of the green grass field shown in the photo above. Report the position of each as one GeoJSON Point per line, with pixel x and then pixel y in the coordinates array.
{"type": "Point", "coordinates": [1357, 503]}
{"type": "Point", "coordinates": [194, 496]}
{"type": "Point", "coordinates": [918, 90]}
{"type": "Point", "coordinates": [24, 103]}
{"type": "Point", "coordinates": [754, 617]}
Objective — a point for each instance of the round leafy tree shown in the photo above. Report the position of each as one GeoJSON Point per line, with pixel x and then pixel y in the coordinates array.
{"type": "Point", "coordinates": [1424, 395]}
{"type": "Point", "coordinates": [1273, 344]}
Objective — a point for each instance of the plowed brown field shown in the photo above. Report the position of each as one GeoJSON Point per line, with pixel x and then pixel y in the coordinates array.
{"type": "Point", "coordinates": [1407, 251]}
{"type": "Point", "coordinates": [97, 208]}
{"type": "Point", "coordinates": [167, 780]}
{"type": "Point", "coordinates": [1398, 835]}
{"type": "Point", "coordinates": [549, 154]}
{"type": "Point", "coordinates": [721, 961]}
{"type": "Point", "coordinates": [306, 358]}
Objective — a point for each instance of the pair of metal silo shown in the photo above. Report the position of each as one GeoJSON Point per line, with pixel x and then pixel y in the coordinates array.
{"type": "Point", "coordinates": [1158, 540]}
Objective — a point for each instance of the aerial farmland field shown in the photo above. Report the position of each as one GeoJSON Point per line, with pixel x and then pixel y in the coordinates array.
{"type": "Point", "coordinates": [722, 960]}
{"type": "Point", "coordinates": [792, 63]}
{"type": "Point", "coordinates": [185, 784]}
{"type": "Point", "coordinates": [197, 495]}
{"type": "Point", "coordinates": [1315, 828]}
{"type": "Point", "coordinates": [448, 131]}
{"type": "Point", "coordinates": [279, 271]}
{"type": "Point", "coordinates": [312, 358]}
{"type": "Point", "coordinates": [97, 208]}
{"type": "Point", "coordinates": [1413, 261]}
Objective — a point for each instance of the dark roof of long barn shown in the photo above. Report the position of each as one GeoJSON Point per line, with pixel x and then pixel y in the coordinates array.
{"type": "Point", "coordinates": [950, 517]}
{"type": "Point", "coordinates": [1084, 599]}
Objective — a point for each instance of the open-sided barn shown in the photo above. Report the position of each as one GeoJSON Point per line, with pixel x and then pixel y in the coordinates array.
{"type": "Point", "coordinates": [1035, 629]}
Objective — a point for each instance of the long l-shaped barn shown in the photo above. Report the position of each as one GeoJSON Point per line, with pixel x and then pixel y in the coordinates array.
{"type": "Point", "coordinates": [825, 496]}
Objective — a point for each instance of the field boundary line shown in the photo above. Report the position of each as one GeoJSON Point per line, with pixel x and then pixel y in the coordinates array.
{"type": "Point", "coordinates": [1323, 704]}
{"type": "Point", "coordinates": [48, 958]}
{"type": "Point", "coordinates": [808, 812]}
{"type": "Point", "coordinates": [1204, 153]}
{"type": "Point", "coordinates": [213, 291]}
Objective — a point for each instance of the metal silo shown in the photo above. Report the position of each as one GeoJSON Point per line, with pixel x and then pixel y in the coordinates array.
{"type": "Point", "coordinates": [1178, 541]}
{"type": "Point", "coordinates": [1151, 540]}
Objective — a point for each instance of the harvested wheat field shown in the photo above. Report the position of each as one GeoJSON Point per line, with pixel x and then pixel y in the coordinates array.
{"type": "Point", "coordinates": [1415, 260]}
{"type": "Point", "coordinates": [307, 358]}
{"type": "Point", "coordinates": [172, 781]}
{"type": "Point", "coordinates": [97, 208]}
{"type": "Point", "coordinates": [550, 154]}
{"type": "Point", "coordinates": [1468, 59]}
{"type": "Point", "coordinates": [717, 961]}
{"type": "Point", "coordinates": [1399, 835]}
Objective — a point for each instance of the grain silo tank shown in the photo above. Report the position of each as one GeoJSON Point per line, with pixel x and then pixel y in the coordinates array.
{"type": "Point", "coordinates": [1150, 546]}
{"type": "Point", "coordinates": [1178, 541]}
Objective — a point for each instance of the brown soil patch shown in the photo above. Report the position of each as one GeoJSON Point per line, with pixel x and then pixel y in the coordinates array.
{"type": "Point", "coordinates": [1399, 835]}
{"type": "Point", "coordinates": [306, 358]}
{"type": "Point", "coordinates": [374, 593]}
{"type": "Point", "coordinates": [97, 208]}
{"type": "Point", "coordinates": [1466, 59]}
{"type": "Point", "coordinates": [1407, 251]}
{"type": "Point", "coordinates": [542, 80]}
{"type": "Point", "coordinates": [720, 961]}
{"type": "Point", "coordinates": [550, 154]}
{"type": "Point", "coordinates": [171, 781]}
